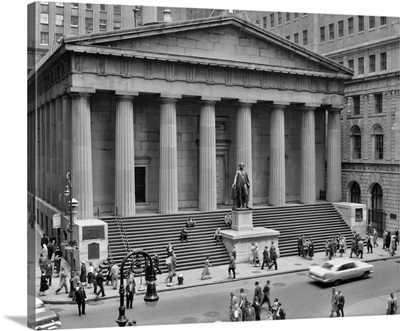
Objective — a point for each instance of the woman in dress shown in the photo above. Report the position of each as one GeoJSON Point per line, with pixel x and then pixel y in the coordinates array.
{"type": "Point", "coordinates": [90, 274]}
{"type": "Point", "coordinates": [82, 276]}
{"type": "Point", "coordinates": [206, 270]}
{"type": "Point", "coordinates": [43, 284]}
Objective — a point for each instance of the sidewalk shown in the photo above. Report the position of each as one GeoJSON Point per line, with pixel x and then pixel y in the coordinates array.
{"type": "Point", "coordinates": [219, 274]}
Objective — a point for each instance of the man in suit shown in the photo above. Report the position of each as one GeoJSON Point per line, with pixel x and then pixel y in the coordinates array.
{"type": "Point", "coordinates": [273, 256]}
{"type": "Point", "coordinates": [232, 266]}
{"type": "Point", "coordinates": [266, 291]}
{"type": "Point", "coordinates": [341, 302]}
{"type": "Point", "coordinates": [99, 282]}
{"type": "Point", "coordinates": [257, 292]}
{"type": "Point", "coordinates": [80, 299]}
{"type": "Point", "coordinates": [130, 292]}
{"type": "Point", "coordinates": [265, 257]}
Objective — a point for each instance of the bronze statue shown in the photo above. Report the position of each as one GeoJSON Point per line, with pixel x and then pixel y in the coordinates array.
{"type": "Point", "coordinates": [240, 188]}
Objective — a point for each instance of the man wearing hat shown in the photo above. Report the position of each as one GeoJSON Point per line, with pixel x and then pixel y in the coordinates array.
{"type": "Point", "coordinates": [80, 298]}
{"type": "Point", "coordinates": [130, 292]}
{"type": "Point", "coordinates": [242, 303]}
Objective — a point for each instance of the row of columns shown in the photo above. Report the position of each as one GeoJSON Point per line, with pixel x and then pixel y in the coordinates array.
{"type": "Point", "coordinates": [65, 123]}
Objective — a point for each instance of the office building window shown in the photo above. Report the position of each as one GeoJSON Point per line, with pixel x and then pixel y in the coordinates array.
{"type": "Point", "coordinates": [272, 20]}
{"type": "Point", "coordinates": [89, 24]}
{"type": "Point", "coordinates": [296, 38]}
{"type": "Point", "coordinates": [117, 9]}
{"type": "Point", "coordinates": [74, 4]}
{"type": "Point", "coordinates": [287, 17]}
{"type": "Point", "coordinates": [60, 20]}
{"type": "Point", "coordinates": [378, 103]}
{"type": "Point", "coordinates": [295, 16]}
{"type": "Point", "coordinates": [279, 18]}
{"type": "Point", "coordinates": [304, 14]}
{"type": "Point", "coordinates": [360, 23]}
{"type": "Point", "coordinates": [322, 34]}
{"type": "Point", "coordinates": [74, 21]}
{"type": "Point", "coordinates": [360, 65]}
{"type": "Point", "coordinates": [356, 142]}
{"type": "Point", "coordinates": [102, 7]}
{"type": "Point", "coordinates": [44, 7]}
{"type": "Point", "coordinates": [44, 18]}
{"type": "Point", "coordinates": [102, 25]}
{"type": "Point", "coordinates": [351, 64]}
{"type": "Point", "coordinates": [44, 38]}
{"type": "Point", "coordinates": [265, 22]}
{"type": "Point", "coordinates": [372, 22]}
{"type": "Point", "coordinates": [89, 6]}
{"type": "Point", "coordinates": [383, 21]}
{"type": "Point", "coordinates": [116, 25]}
{"type": "Point", "coordinates": [59, 4]}
{"type": "Point", "coordinates": [377, 136]}
{"type": "Point", "coordinates": [340, 29]}
{"type": "Point", "coordinates": [356, 105]}
{"type": "Point", "coordinates": [355, 193]}
{"type": "Point", "coordinates": [331, 32]}
{"type": "Point", "coordinates": [383, 61]}
{"type": "Point", "coordinates": [372, 63]}
{"type": "Point", "coordinates": [305, 38]}
{"type": "Point", "coordinates": [350, 26]}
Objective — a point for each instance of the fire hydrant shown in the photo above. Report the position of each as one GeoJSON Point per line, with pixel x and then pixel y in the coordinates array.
{"type": "Point", "coordinates": [180, 279]}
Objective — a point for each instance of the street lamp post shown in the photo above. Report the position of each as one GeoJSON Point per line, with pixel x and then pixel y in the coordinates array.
{"type": "Point", "coordinates": [151, 297]}
{"type": "Point", "coordinates": [68, 193]}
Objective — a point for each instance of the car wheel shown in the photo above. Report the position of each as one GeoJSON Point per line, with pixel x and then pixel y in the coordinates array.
{"type": "Point", "coordinates": [336, 282]}
{"type": "Point", "coordinates": [365, 275]}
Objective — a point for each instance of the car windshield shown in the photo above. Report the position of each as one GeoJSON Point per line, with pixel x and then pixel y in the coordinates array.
{"type": "Point", "coordinates": [327, 266]}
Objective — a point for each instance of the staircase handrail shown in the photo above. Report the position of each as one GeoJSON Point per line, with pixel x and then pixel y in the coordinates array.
{"type": "Point", "coordinates": [122, 231]}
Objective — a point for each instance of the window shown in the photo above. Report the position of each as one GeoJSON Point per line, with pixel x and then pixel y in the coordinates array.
{"type": "Point", "coordinates": [74, 21]}
{"type": "Point", "coordinates": [59, 4]}
{"type": "Point", "coordinates": [117, 9]}
{"type": "Point", "coordinates": [287, 17]}
{"type": "Point", "coordinates": [378, 103]}
{"type": "Point", "coordinates": [296, 38]}
{"type": "Point", "coordinates": [340, 29]}
{"type": "Point", "coordinates": [356, 105]}
{"type": "Point", "coordinates": [89, 24]}
{"type": "Point", "coordinates": [140, 184]}
{"type": "Point", "coordinates": [331, 32]}
{"type": "Point", "coordinates": [265, 22]}
{"type": "Point", "coordinates": [383, 21]}
{"type": "Point", "coordinates": [295, 16]}
{"type": "Point", "coordinates": [372, 22]}
{"type": "Point", "coordinates": [88, 6]}
{"type": "Point", "coordinates": [355, 193]}
{"type": "Point", "coordinates": [372, 63]}
{"type": "Point", "coordinates": [44, 18]}
{"type": "Point", "coordinates": [102, 25]}
{"type": "Point", "coordinates": [383, 61]}
{"type": "Point", "coordinates": [44, 38]}
{"type": "Point", "coordinates": [360, 23]}
{"type": "Point", "coordinates": [116, 25]}
{"type": "Point", "coordinates": [60, 20]}
{"type": "Point", "coordinates": [322, 34]}
{"type": "Point", "coordinates": [279, 18]}
{"type": "Point", "coordinates": [305, 37]}
{"type": "Point", "coordinates": [102, 7]}
{"type": "Point", "coordinates": [378, 142]}
{"type": "Point", "coordinates": [351, 64]}
{"type": "Point", "coordinates": [360, 65]}
{"type": "Point", "coordinates": [304, 14]}
{"type": "Point", "coordinates": [272, 20]}
{"type": "Point", "coordinates": [356, 142]}
{"type": "Point", "coordinates": [74, 5]}
{"type": "Point", "coordinates": [350, 26]}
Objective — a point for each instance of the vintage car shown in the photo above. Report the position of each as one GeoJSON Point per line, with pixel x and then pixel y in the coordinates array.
{"type": "Point", "coordinates": [341, 269]}
{"type": "Point", "coordinates": [43, 318]}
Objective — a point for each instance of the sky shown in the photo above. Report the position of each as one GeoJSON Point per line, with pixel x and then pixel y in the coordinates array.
{"type": "Point", "coordinates": [13, 146]}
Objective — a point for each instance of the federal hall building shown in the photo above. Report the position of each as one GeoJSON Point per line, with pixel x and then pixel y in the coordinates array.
{"type": "Point", "coordinates": [156, 119]}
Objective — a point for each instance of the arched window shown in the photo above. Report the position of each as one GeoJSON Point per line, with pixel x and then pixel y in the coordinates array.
{"type": "Point", "coordinates": [355, 193]}
{"type": "Point", "coordinates": [356, 142]}
{"type": "Point", "coordinates": [377, 137]}
{"type": "Point", "coordinates": [377, 197]}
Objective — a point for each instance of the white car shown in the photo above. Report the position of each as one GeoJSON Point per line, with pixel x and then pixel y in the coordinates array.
{"type": "Point", "coordinates": [341, 269]}
{"type": "Point", "coordinates": [43, 318]}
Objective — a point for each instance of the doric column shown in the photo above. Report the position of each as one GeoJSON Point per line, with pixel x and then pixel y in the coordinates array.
{"type": "Point", "coordinates": [40, 168]}
{"type": "Point", "coordinates": [277, 174]}
{"type": "Point", "coordinates": [168, 195]}
{"type": "Point", "coordinates": [307, 179]}
{"type": "Point", "coordinates": [207, 157]}
{"type": "Point", "coordinates": [52, 144]}
{"type": "Point", "coordinates": [334, 167]}
{"type": "Point", "coordinates": [244, 141]}
{"type": "Point", "coordinates": [82, 181]}
{"type": "Point", "coordinates": [60, 182]}
{"type": "Point", "coordinates": [47, 152]}
{"type": "Point", "coordinates": [124, 157]}
{"type": "Point", "coordinates": [66, 137]}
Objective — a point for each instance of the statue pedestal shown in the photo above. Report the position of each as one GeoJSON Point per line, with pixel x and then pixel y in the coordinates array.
{"type": "Point", "coordinates": [243, 234]}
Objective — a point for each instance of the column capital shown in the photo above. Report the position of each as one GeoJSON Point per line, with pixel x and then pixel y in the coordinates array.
{"type": "Point", "coordinates": [279, 105]}
{"type": "Point", "coordinates": [334, 110]}
{"type": "Point", "coordinates": [209, 98]}
{"type": "Point", "coordinates": [170, 96]}
{"type": "Point", "coordinates": [246, 101]}
{"type": "Point", "coordinates": [123, 93]}
{"type": "Point", "coordinates": [75, 89]}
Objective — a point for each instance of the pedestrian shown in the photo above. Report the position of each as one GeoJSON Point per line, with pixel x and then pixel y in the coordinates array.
{"type": "Point", "coordinates": [256, 259]}
{"type": "Point", "coordinates": [45, 251]}
{"type": "Point", "coordinates": [190, 222]}
{"type": "Point", "coordinates": [44, 240]}
{"type": "Point", "coordinates": [90, 274]}
{"type": "Point", "coordinates": [206, 270]}
{"type": "Point", "coordinates": [274, 308]}
{"type": "Point", "coordinates": [173, 262]}
{"type": "Point", "coordinates": [170, 249]}
{"type": "Point", "coordinates": [360, 248]}
{"type": "Point", "coordinates": [330, 249]}
{"type": "Point", "coordinates": [57, 260]}
{"type": "Point", "coordinates": [391, 306]}
{"type": "Point", "coordinates": [310, 250]}
{"type": "Point", "coordinates": [83, 273]}
{"type": "Point", "coordinates": [130, 290]}
{"type": "Point", "coordinates": [387, 240]}
{"type": "Point", "coordinates": [109, 266]}
{"type": "Point", "coordinates": [42, 262]}
{"type": "Point", "coordinates": [184, 235]}
{"type": "Point", "coordinates": [375, 237]}
{"type": "Point", "coordinates": [393, 244]}
{"type": "Point", "coordinates": [300, 245]}
{"type": "Point", "coordinates": [95, 280]}
{"type": "Point", "coordinates": [273, 256]}
{"type": "Point", "coordinates": [369, 243]}
{"type": "Point", "coordinates": [280, 312]}
{"type": "Point", "coordinates": [257, 292]}
{"type": "Point", "coordinates": [242, 303]}
{"type": "Point", "coordinates": [266, 291]}
{"type": "Point", "coordinates": [249, 312]}
{"type": "Point", "coordinates": [369, 228]}
{"type": "Point", "coordinates": [252, 253]}
{"type": "Point", "coordinates": [50, 250]}
{"type": "Point", "coordinates": [266, 260]}
{"type": "Point", "coordinates": [354, 247]}
{"type": "Point", "coordinates": [233, 252]}
{"type": "Point", "coordinates": [63, 281]}
{"type": "Point", "coordinates": [232, 267]}
{"type": "Point", "coordinates": [257, 309]}
{"type": "Point", "coordinates": [305, 248]}
{"type": "Point", "coordinates": [218, 236]}
{"type": "Point", "coordinates": [396, 233]}
{"type": "Point", "coordinates": [341, 246]}
{"type": "Point", "coordinates": [237, 314]}
{"type": "Point", "coordinates": [80, 299]}
{"type": "Point", "coordinates": [228, 219]}
{"type": "Point", "coordinates": [156, 263]}
{"type": "Point", "coordinates": [43, 284]}
{"type": "Point", "coordinates": [233, 304]}
{"type": "Point", "coordinates": [341, 302]}
{"type": "Point", "coordinates": [75, 279]}
{"type": "Point", "coordinates": [114, 275]}
{"type": "Point", "coordinates": [100, 284]}
{"type": "Point", "coordinates": [334, 303]}
{"type": "Point", "coordinates": [171, 271]}
{"type": "Point", "coordinates": [49, 271]}
{"type": "Point", "coordinates": [327, 248]}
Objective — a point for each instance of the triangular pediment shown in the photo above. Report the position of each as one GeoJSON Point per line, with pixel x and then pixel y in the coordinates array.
{"type": "Point", "coordinates": [228, 38]}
